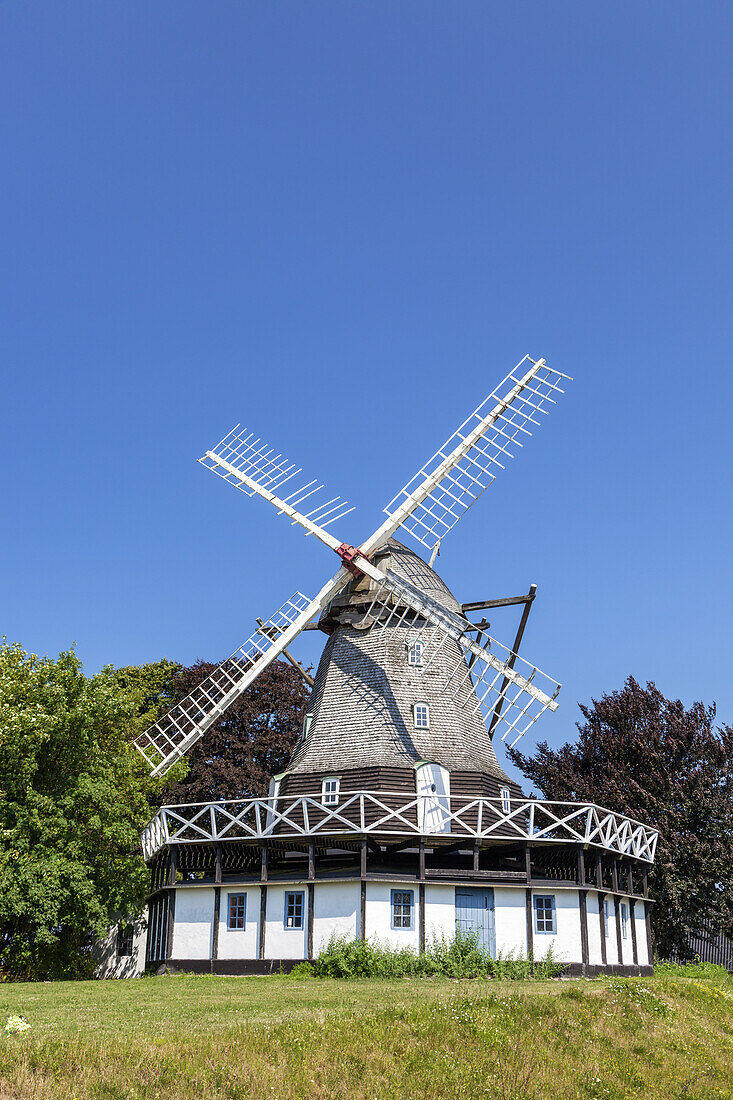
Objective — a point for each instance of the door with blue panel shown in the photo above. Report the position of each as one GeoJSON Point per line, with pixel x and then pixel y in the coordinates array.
{"type": "Point", "coordinates": [475, 915]}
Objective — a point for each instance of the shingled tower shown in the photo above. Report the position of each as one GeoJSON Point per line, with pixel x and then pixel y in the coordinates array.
{"type": "Point", "coordinates": [377, 718]}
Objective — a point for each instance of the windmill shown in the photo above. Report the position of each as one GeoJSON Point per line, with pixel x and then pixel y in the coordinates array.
{"type": "Point", "coordinates": [394, 817]}
{"type": "Point", "coordinates": [479, 673]}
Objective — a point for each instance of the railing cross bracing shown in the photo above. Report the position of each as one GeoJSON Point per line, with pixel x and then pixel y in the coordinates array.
{"type": "Point", "coordinates": [397, 816]}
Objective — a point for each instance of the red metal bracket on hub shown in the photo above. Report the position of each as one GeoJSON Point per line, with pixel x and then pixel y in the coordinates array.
{"type": "Point", "coordinates": [349, 556]}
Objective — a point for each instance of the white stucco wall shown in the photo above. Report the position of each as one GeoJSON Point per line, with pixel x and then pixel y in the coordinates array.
{"type": "Point", "coordinates": [440, 911]}
{"type": "Point", "coordinates": [641, 940]}
{"type": "Point", "coordinates": [510, 920]}
{"type": "Point", "coordinates": [193, 923]}
{"type": "Point", "coordinates": [282, 942]}
{"type": "Point", "coordinates": [112, 965]}
{"type": "Point", "coordinates": [594, 931]}
{"type": "Point", "coordinates": [611, 941]}
{"type": "Point", "coordinates": [239, 943]}
{"type": "Point", "coordinates": [336, 911]}
{"type": "Point", "coordinates": [379, 915]}
{"type": "Point", "coordinates": [566, 943]}
{"type": "Point", "coordinates": [627, 944]}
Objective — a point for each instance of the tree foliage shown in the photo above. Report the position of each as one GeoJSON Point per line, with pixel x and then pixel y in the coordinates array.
{"type": "Point", "coordinates": [648, 757]}
{"type": "Point", "coordinates": [250, 743]}
{"type": "Point", "coordinates": [73, 799]}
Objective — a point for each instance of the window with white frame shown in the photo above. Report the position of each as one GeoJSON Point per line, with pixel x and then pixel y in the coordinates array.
{"type": "Point", "coordinates": [402, 906]}
{"type": "Point", "coordinates": [293, 909]}
{"type": "Point", "coordinates": [544, 914]}
{"type": "Point", "coordinates": [330, 790]}
{"type": "Point", "coordinates": [421, 715]}
{"type": "Point", "coordinates": [624, 920]}
{"type": "Point", "coordinates": [414, 652]}
{"type": "Point", "coordinates": [506, 803]}
{"type": "Point", "coordinates": [237, 912]}
{"type": "Point", "coordinates": [605, 917]}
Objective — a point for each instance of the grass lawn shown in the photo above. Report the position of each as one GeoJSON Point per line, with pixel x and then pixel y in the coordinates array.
{"type": "Point", "coordinates": [191, 1038]}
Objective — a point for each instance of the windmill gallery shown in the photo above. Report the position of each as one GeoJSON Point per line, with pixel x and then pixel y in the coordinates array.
{"type": "Point", "coordinates": [394, 818]}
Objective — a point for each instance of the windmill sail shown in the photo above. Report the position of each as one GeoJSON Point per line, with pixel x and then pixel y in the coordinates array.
{"type": "Point", "coordinates": [433, 501]}
{"type": "Point", "coordinates": [172, 736]}
{"type": "Point", "coordinates": [253, 467]}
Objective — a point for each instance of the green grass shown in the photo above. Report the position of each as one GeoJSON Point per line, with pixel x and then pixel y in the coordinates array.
{"type": "Point", "coordinates": [279, 1038]}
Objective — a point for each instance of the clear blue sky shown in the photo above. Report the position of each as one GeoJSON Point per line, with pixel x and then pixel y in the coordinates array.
{"type": "Point", "coordinates": [341, 223]}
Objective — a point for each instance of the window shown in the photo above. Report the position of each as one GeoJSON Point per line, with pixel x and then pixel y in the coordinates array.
{"type": "Point", "coordinates": [544, 913]}
{"type": "Point", "coordinates": [605, 917]}
{"type": "Point", "coordinates": [125, 937]}
{"type": "Point", "coordinates": [624, 920]}
{"type": "Point", "coordinates": [402, 908]}
{"type": "Point", "coordinates": [415, 652]}
{"type": "Point", "coordinates": [330, 791]}
{"type": "Point", "coordinates": [294, 909]}
{"type": "Point", "coordinates": [237, 912]}
{"type": "Point", "coordinates": [506, 803]}
{"type": "Point", "coordinates": [421, 713]}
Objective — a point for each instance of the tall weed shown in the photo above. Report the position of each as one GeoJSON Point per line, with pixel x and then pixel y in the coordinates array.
{"type": "Point", "coordinates": [462, 956]}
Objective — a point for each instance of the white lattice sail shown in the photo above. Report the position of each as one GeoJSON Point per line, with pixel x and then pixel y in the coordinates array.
{"type": "Point", "coordinates": [172, 735]}
{"type": "Point", "coordinates": [433, 501]}
{"type": "Point", "coordinates": [254, 467]}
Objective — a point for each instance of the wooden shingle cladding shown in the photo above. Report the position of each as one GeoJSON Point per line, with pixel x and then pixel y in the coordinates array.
{"type": "Point", "coordinates": [362, 709]}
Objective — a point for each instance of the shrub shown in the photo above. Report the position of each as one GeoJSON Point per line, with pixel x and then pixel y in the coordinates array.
{"type": "Point", "coordinates": [460, 957]}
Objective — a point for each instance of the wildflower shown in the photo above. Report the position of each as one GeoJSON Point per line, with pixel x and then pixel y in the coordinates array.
{"type": "Point", "coordinates": [16, 1025]}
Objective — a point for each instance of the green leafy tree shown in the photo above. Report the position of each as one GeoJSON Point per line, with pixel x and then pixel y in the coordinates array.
{"type": "Point", "coordinates": [651, 758]}
{"type": "Point", "coordinates": [73, 799]}
{"type": "Point", "coordinates": [150, 687]}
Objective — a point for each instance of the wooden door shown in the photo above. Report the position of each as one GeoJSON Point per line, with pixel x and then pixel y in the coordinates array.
{"type": "Point", "coordinates": [475, 914]}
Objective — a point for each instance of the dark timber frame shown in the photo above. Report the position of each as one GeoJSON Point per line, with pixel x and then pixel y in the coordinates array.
{"type": "Point", "coordinates": [443, 859]}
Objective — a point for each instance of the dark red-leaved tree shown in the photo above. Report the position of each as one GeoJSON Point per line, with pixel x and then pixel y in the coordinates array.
{"type": "Point", "coordinates": [252, 741]}
{"type": "Point", "coordinates": [646, 756]}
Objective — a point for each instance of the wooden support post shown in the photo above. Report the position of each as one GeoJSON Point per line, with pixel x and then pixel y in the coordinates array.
{"type": "Point", "coordinates": [362, 905]}
{"type": "Point", "coordinates": [421, 915]}
{"type": "Point", "coordinates": [215, 926]}
{"type": "Point", "coordinates": [311, 907]}
{"type": "Point", "coordinates": [476, 858]}
{"type": "Point", "coordinates": [263, 864]}
{"type": "Point", "coordinates": [630, 880]}
{"type": "Point", "coordinates": [619, 940]}
{"type": "Point", "coordinates": [601, 904]}
{"type": "Point", "coordinates": [645, 883]}
{"type": "Point", "coordinates": [634, 944]}
{"type": "Point", "coordinates": [173, 865]}
{"type": "Point", "coordinates": [528, 903]}
{"type": "Point", "coordinates": [602, 921]}
{"type": "Point", "coordinates": [617, 910]}
{"type": "Point", "coordinates": [583, 902]}
{"type": "Point", "coordinates": [311, 862]}
{"type": "Point", "coordinates": [263, 921]}
{"type": "Point", "coordinates": [421, 860]}
{"type": "Point", "coordinates": [217, 873]}
{"type": "Point", "coordinates": [171, 923]}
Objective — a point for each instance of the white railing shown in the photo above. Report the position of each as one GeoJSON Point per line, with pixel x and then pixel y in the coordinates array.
{"type": "Point", "coordinates": [392, 814]}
